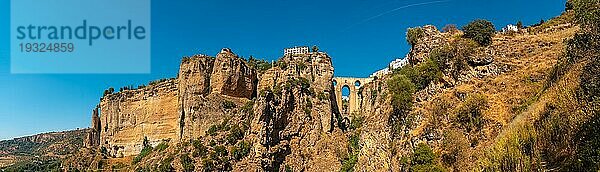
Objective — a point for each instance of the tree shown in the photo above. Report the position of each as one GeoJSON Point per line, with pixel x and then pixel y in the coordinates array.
{"type": "Point", "coordinates": [414, 34]}
{"type": "Point", "coordinates": [520, 24]}
{"type": "Point", "coordinates": [480, 31]}
{"type": "Point", "coordinates": [423, 159]}
{"type": "Point", "coordinates": [315, 48]}
{"type": "Point", "coordinates": [568, 5]}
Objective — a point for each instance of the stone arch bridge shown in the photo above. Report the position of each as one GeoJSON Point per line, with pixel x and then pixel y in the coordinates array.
{"type": "Point", "coordinates": [353, 99]}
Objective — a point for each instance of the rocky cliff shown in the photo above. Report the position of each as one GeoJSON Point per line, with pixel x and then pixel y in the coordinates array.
{"type": "Point", "coordinates": [174, 109]}
{"type": "Point", "coordinates": [294, 122]}
{"type": "Point", "coordinates": [458, 106]}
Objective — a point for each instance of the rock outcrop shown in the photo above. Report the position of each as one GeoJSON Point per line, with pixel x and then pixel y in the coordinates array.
{"type": "Point", "coordinates": [174, 109]}
{"type": "Point", "coordinates": [130, 116]}
{"type": "Point", "coordinates": [431, 40]}
{"type": "Point", "coordinates": [231, 76]}
{"type": "Point", "coordinates": [294, 125]}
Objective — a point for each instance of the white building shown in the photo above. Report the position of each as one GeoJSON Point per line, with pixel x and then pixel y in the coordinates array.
{"type": "Point", "coordinates": [380, 73]}
{"type": "Point", "coordinates": [398, 63]}
{"type": "Point", "coordinates": [510, 28]}
{"type": "Point", "coordinates": [296, 50]}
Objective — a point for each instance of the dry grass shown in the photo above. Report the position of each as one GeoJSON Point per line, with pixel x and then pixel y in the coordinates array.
{"type": "Point", "coordinates": [515, 98]}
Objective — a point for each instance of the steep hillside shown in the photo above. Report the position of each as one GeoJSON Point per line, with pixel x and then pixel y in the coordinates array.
{"type": "Point", "coordinates": [47, 147]}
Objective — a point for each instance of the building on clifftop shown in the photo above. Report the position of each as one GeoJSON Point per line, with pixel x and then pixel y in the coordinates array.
{"type": "Point", "coordinates": [296, 50]}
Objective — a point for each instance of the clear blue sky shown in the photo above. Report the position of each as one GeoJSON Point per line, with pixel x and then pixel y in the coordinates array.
{"type": "Point", "coordinates": [362, 36]}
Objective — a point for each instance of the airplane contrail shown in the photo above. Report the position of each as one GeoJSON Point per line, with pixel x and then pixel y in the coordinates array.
{"type": "Point", "coordinates": [395, 9]}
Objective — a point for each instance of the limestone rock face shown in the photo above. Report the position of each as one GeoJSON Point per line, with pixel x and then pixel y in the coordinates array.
{"type": "Point", "coordinates": [433, 39]}
{"type": "Point", "coordinates": [194, 75]}
{"type": "Point", "coordinates": [194, 86]}
{"type": "Point", "coordinates": [376, 137]}
{"type": "Point", "coordinates": [293, 123]}
{"type": "Point", "coordinates": [231, 76]}
{"type": "Point", "coordinates": [482, 57]}
{"type": "Point", "coordinates": [129, 116]}
{"type": "Point", "coordinates": [174, 109]}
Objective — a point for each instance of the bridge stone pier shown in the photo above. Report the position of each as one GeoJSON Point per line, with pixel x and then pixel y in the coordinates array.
{"type": "Point", "coordinates": [354, 99]}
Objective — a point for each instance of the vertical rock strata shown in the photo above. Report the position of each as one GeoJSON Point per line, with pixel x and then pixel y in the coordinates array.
{"type": "Point", "coordinates": [294, 120]}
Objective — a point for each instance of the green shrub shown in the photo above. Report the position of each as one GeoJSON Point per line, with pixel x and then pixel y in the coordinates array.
{"type": "Point", "coordinates": [481, 31]}
{"type": "Point", "coordinates": [402, 90]}
{"type": "Point", "coordinates": [470, 114]}
{"type": "Point", "coordinates": [568, 5]}
{"type": "Point", "coordinates": [357, 121]}
{"type": "Point", "coordinates": [199, 149]}
{"type": "Point", "coordinates": [456, 147]}
{"type": "Point", "coordinates": [187, 163]}
{"type": "Point", "coordinates": [227, 104]}
{"type": "Point", "coordinates": [423, 159]}
{"type": "Point", "coordinates": [241, 150]}
{"type": "Point", "coordinates": [348, 165]}
{"type": "Point", "coordinates": [429, 72]}
{"type": "Point", "coordinates": [145, 151]}
{"type": "Point", "coordinates": [588, 146]}
{"type": "Point", "coordinates": [304, 83]}
{"type": "Point", "coordinates": [321, 96]}
{"type": "Point", "coordinates": [587, 14]}
{"type": "Point", "coordinates": [212, 131]}
{"type": "Point", "coordinates": [161, 146]}
{"type": "Point", "coordinates": [247, 108]}
{"type": "Point", "coordinates": [423, 74]}
{"type": "Point", "coordinates": [235, 134]}
{"type": "Point", "coordinates": [165, 165]}
{"type": "Point", "coordinates": [583, 46]}
{"type": "Point", "coordinates": [301, 66]}
{"type": "Point", "coordinates": [259, 65]}
{"type": "Point", "coordinates": [512, 152]}
{"type": "Point", "coordinates": [277, 90]}
{"type": "Point", "coordinates": [453, 58]}
{"type": "Point", "coordinates": [281, 64]}
{"type": "Point", "coordinates": [354, 149]}
{"type": "Point", "coordinates": [208, 165]}
{"type": "Point", "coordinates": [423, 154]}
{"type": "Point", "coordinates": [414, 34]}
{"type": "Point", "coordinates": [220, 151]}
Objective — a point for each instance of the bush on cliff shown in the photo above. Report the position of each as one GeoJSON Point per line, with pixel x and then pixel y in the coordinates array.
{"type": "Point", "coordinates": [241, 150]}
{"type": "Point", "coordinates": [161, 146]}
{"type": "Point", "coordinates": [259, 65]}
{"type": "Point", "coordinates": [453, 58]}
{"type": "Point", "coordinates": [353, 150]}
{"type": "Point", "coordinates": [422, 74]}
{"type": "Point", "coordinates": [481, 31]}
{"type": "Point", "coordinates": [401, 90]}
{"type": "Point", "coordinates": [187, 163]}
{"type": "Point", "coordinates": [145, 152]}
{"type": "Point", "coordinates": [470, 114]}
{"type": "Point", "coordinates": [227, 104]}
{"type": "Point", "coordinates": [414, 34]}
{"type": "Point", "coordinates": [424, 160]}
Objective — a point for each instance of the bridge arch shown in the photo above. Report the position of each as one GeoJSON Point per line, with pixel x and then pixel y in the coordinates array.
{"type": "Point", "coordinates": [353, 101]}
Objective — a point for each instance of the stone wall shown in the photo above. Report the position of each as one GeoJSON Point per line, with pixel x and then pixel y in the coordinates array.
{"type": "Point", "coordinates": [129, 116]}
